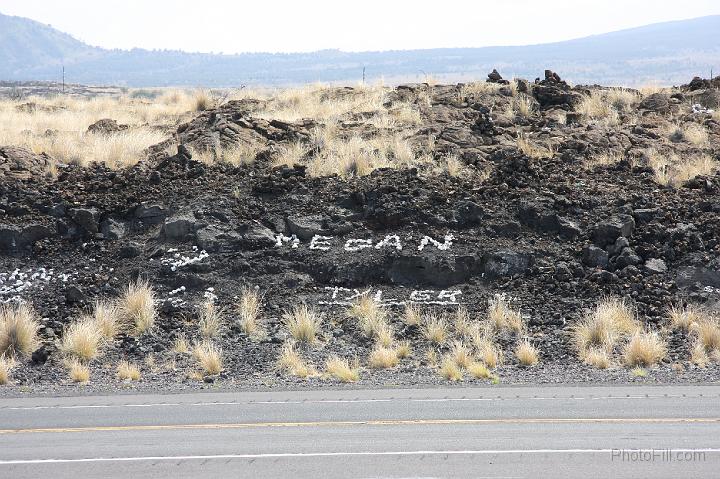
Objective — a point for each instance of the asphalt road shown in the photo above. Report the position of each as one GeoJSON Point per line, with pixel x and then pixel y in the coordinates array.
{"type": "Point", "coordinates": [647, 431]}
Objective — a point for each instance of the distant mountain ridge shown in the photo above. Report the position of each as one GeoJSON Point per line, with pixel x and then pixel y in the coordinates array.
{"type": "Point", "coordinates": [666, 53]}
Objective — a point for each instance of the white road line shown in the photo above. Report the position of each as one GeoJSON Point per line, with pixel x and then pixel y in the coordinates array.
{"type": "Point", "coordinates": [340, 401]}
{"type": "Point", "coordinates": [333, 454]}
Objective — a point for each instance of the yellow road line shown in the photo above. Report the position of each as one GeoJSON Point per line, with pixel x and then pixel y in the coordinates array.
{"type": "Point", "coordinates": [379, 422]}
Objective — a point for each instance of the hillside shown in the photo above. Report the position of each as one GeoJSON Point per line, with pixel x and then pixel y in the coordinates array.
{"type": "Point", "coordinates": [551, 233]}
{"type": "Point", "coordinates": [666, 53]}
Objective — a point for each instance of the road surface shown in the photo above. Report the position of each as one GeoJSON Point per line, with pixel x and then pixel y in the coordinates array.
{"type": "Point", "coordinates": [645, 431]}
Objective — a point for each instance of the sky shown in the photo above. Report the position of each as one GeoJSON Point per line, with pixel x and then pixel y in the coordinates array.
{"type": "Point", "coordinates": [226, 26]}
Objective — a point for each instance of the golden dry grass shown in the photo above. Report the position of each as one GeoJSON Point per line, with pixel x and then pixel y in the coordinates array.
{"type": "Point", "coordinates": [290, 361]}
{"type": "Point", "coordinates": [603, 327]}
{"type": "Point", "coordinates": [385, 335]}
{"type": "Point", "coordinates": [460, 354]}
{"type": "Point", "coordinates": [454, 167]}
{"type": "Point", "coordinates": [706, 333]}
{"type": "Point", "coordinates": [403, 349]}
{"type": "Point", "coordinates": [19, 326]}
{"type": "Point", "coordinates": [371, 316]}
{"type": "Point", "coordinates": [645, 348]}
{"type": "Point", "coordinates": [672, 170]}
{"type": "Point", "coordinates": [604, 159]}
{"type": "Point", "coordinates": [487, 350]}
{"type": "Point", "coordinates": [341, 369]}
{"type": "Point", "coordinates": [503, 317]}
{"type": "Point", "coordinates": [533, 149]}
{"type": "Point", "coordinates": [462, 324]}
{"type": "Point", "coordinates": [435, 329]}
{"type": "Point", "coordinates": [683, 317]}
{"type": "Point", "coordinates": [303, 323]}
{"type": "Point", "coordinates": [526, 353]}
{"type": "Point", "coordinates": [248, 309]}
{"type": "Point", "coordinates": [77, 371]}
{"type": "Point", "coordinates": [412, 315]}
{"type": "Point", "coordinates": [208, 357]}
{"type": "Point", "coordinates": [128, 371]}
{"type": "Point", "coordinates": [598, 358]}
{"type": "Point", "coordinates": [479, 371]}
{"type": "Point", "coordinates": [181, 345]}
{"type": "Point", "coordinates": [382, 357]}
{"type": "Point", "coordinates": [7, 364]}
{"type": "Point", "coordinates": [210, 319]}
{"type": "Point", "coordinates": [82, 339]}
{"type": "Point", "coordinates": [450, 370]}
{"type": "Point", "coordinates": [138, 305]}
{"type": "Point", "coordinates": [108, 319]}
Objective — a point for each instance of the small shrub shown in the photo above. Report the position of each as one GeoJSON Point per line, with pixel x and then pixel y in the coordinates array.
{"type": "Point", "coordinates": [18, 330]}
{"type": "Point", "coordinates": [526, 353]}
{"type": "Point", "coordinates": [303, 323]}
{"type": "Point", "coordinates": [340, 369]}
{"type": "Point", "coordinates": [82, 339]}
{"type": "Point", "coordinates": [209, 358]}
{"type": "Point", "coordinates": [128, 371]}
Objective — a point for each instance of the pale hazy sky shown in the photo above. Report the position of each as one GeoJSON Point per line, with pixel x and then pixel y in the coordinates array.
{"type": "Point", "coordinates": [295, 25]}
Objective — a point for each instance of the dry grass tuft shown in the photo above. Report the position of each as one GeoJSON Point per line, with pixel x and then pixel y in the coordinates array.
{"type": "Point", "coordinates": [290, 361]}
{"type": "Point", "coordinates": [487, 350]}
{"type": "Point", "coordinates": [82, 339]}
{"type": "Point", "coordinates": [78, 372]}
{"type": "Point", "coordinates": [707, 335]}
{"type": "Point", "coordinates": [248, 308]}
{"type": "Point", "coordinates": [461, 354]}
{"type": "Point", "coordinates": [461, 323]}
{"type": "Point", "coordinates": [403, 350]}
{"type": "Point", "coordinates": [532, 149]}
{"type": "Point", "coordinates": [340, 369]}
{"type": "Point", "coordinates": [202, 100]}
{"type": "Point", "coordinates": [385, 336]}
{"type": "Point", "coordinates": [128, 371]}
{"type": "Point", "coordinates": [382, 357]}
{"type": "Point", "coordinates": [181, 346]}
{"type": "Point", "coordinates": [675, 171]}
{"type": "Point", "coordinates": [503, 317]}
{"type": "Point", "coordinates": [683, 317]}
{"type": "Point", "coordinates": [435, 329]}
{"type": "Point", "coordinates": [526, 353]}
{"type": "Point", "coordinates": [604, 326]}
{"type": "Point", "coordinates": [138, 305]}
{"type": "Point", "coordinates": [108, 319]}
{"type": "Point", "coordinates": [604, 159]}
{"type": "Point", "coordinates": [370, 314]}
{"type": "Point", "coordinates": [450, 370]}
{"type": "Point", "coordinates": [412, 315]}
{"type": "Point", "coordinates": [645, 348]}
{"type": "Point", "coordinates": [480, 371]}
{"type": "Point", "coordinates": [303, 323]}
{"type": "Point", "coordinates": [209, 358]}
{"type": "Point", "coordinates": [210, 319]}
{"type": "Point", "coordinates": [638, 372]}
{"type": "Point", "coordinates": [598, 358]}
{"type": "Point", "coordinates": [19, 326]}
{"type": "Point", "coordinates": [7, 364]}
